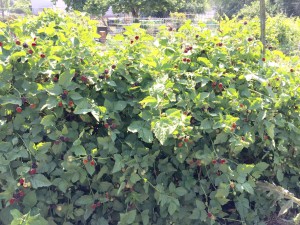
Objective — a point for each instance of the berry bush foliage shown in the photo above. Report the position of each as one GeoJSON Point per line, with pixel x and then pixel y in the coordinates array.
{"type": "Point", "coordinates": [174, 129]}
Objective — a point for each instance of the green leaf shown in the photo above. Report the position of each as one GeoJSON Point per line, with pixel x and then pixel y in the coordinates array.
{"type": "Point", "coordinates": [65, 79]}
{"type": "Point", "coordinates": [221, 138]}
{"type": "Point", "coordinates": [172, 208]}
{"type": "Point", "coordinates": [40, 180]}
{"type": "Point", "coordinates": [181, 191]}
{"type": "Point", "coordinates": [143, 130]}
{"type": "Point", "coordinates": [279, 175]}
{"type": "Point", "coordinates": [206, 124]}
{"type": "Point", "coordinates": [128, 218]}
{"type": "Point", "coordinates": [163, 129]}
{"type": "Point", "coordinates": [118, 163]}
{"type": "Point", "coordinates": [10, 99]}
{"type": "Point", "coordinates": [30, 199]}
{"type": "Point", "coordinates": [145, 217]}
{"type": "Point", "coordinates": [78, 150]}
{"type": "Point", "coordinates": [84, 200]}
{"type": "Point", "coordinates": [248, 188]}
{"type": "Point", "coordinates": [261, 166]}
{"type": "Point", "coordinates": [48, 120]}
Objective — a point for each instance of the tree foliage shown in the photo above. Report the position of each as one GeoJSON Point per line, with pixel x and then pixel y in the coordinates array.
{"type": "Point", "coordinates": [137, 7]}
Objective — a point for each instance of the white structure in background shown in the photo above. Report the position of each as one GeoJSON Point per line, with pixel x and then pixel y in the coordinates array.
{"type": "Point", "coordinates": [40, 5]}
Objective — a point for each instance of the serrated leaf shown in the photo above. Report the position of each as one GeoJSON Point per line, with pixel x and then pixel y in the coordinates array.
{"type": "Point", "coordinates": [48, 120]}
{"type": "Point", "coordinates": [78, 150]}
{"type": "Point", "coordinates": [181, 191]}
{"type": "Point", "coordinates": [39, 180]}
{"type": "Point", "coordinates": [84, 200]}
{"type": "Point", "coordinates": [30, 199]}
{"type": "Point", "coordinates": [247, 187]}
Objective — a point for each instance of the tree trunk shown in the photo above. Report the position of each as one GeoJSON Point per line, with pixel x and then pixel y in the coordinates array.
{"type": "Point", "coordinates": [263, 25]}
{"type": "Point", "coordinates": [135, 13]}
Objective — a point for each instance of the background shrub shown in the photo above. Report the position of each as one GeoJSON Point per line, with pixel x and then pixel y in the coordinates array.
{"type": "Point", "coordinates": [175, 129]}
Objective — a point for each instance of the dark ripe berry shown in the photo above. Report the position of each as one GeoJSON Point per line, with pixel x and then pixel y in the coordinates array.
{"type": "Point", "coordinates": [65, 92]}
{"type": "Point", "coordinates": [214, 84]}
{"type": "Point", "coordinates": [131, 42]}
{"type": "Point", "coordinates": [209, 215]}
{"type": "Point", "coordinates": [21, 194]}
{"type": "Point", "coordinates": [113, 126]}
{"type": "Point", "coordinates": [34, 165]}
{"type": "Point", "coordinates": [21, 181]}
{"type": "Point", "coordinates": [32, 171]}
{"type": "Point", "coordinates": [136, 37]}
{"type": "Point", "coordinates": [106, 71]}
{"type": "Point", "coordinates": [220, 86]}
{"type": "Point", "coordinates": [197, 35]}
{"type": "Point", "coordinates": [33, 44]}
{"type": "Point", "coordinates": [250, 39]}
{"type": "Point", "coordinates": [184, 59]}
{"type": "Point", "coordinates": [113, 67]}
{"type": "Point", "coordinates": [66, 139]}
{"type": "Point", "coordinates": [55, 79]}
{"type": "Point", "coordinates": [62, 138]}
{"type": "Point", "coordinates": [30, 51]}
{"type": "Point", "coordinates": [263, 59]}
{"type": "Point", "coordinates": [42, 55]}
{"type": "Point", "coordinates": [19, 109]}
{"type": "Point", "coordinates": [60, 104]}
{"type": "Point", "coordinates": [12, 201]}
{"type": "Point", "coordinates": [190, 48]}
{"type": "Point", "coordinates": [101, 77]}
{"type": "Point", "coordinates": [233, 125]}
{"type": "Point", "coordinates": [18, 42]}
{"type": "Point", "coordinates": [220, 44]}
{"type": "Point", "coordinates": [186, 139]}
{"type": "Point", "coordinates": [245, 22]}
{"type": "Point", "coordinates": [34, 38]}
{"type": "Point", "coordinates": [56, 142]}
{"type": "Point", "coordinates": [180, 144]}
{"type": "Point", "coordinates": [188, 60]}
{"type": "Point", "coordinates": [89, 158]}
{"type": "Point", "coordinates": [1, 44]}
{"type": "Point", "coordinates": [170, 29]}
{"type": "Point", "coordinates": [32, 106]}
{"type": "Point", "coordinates": [98, 204]}
{"type": "Point", "coordinates": [106, 125]}
{"type": "Point", "coordinates": [214, 161]}
{"type": "Point", "coordinates": [25, 45]}
{"type": "Point", "coordinates": [24, 100]}
{"type": "Point", "coordinates": [185, 51]}
{"type": "Point", "coordinates": [92, 163]}
{"type": "Point", "coordinates": [292, 70]}
{"type": "Point", "coordinates": [243, 138]}
{"type": "Point", "coordinates": [109, 121]}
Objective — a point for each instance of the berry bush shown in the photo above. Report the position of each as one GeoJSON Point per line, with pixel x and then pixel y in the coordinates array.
{"type": "Point", "coordinates": [175, 129]}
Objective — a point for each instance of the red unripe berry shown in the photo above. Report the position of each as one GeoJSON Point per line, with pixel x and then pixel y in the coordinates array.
{"type": "Point", "coordinates": [19, 109]}
{"type": "Point", "coordinates": [22, 181]}
{"type": "Point", "coordinates": [136, 37]}
{"type": "Point", "coordinates": [33, 44]}
{"type": "Point", "coordinates": [21, 193]}
{"type": "Point", "coordinates": [98, 204]}
{"type": "Point", "coordinates": [71, 103]}
{"type": "Point", "coordinates": [12, 201]}
{"type": "Point", "coordinates": [43, 55]}
{"type": "Point", "coordinates": [66, 92]}
{"type": "Point", "coordinates": [241, 105]}
{"type": "Point", "coordinates": [106, 125]}
{"type": "Point", "coordinates": [32, 106]}
{"type": "Point", "coordinates": [222, 161]}
{"type": "Point", "coordinates": [214, 161]}
{"type": "Point", "coordinates": [1, 44]}
{"type": "Point", "coordinates": [60, 104]}
{"type": "Point", "coordinates": [83, 79]}
{"type": "Point", "coordinates": [94, 206]}
{"type": "Point", "coordinates": [209, 215]}
{"type": "Point", "coordinates": [85, 161]}
{"type": "Point", "coordinates": [233, 125]}
{"type": "Point", "coordinates": [55, 79]}
{"type": "Point", "coordinates": [30, 51]}
{"type": "Point", "coordinates": [263, 59]}
{"type": "Point", "coordinates": [214, 84]}
{"type": "Point", "coordinates": [188, 60]}
{"type": "Point", "coordinates": [266, 137]}
{"type": "Point", "coordinates": [92, 163]}
{"type": "Point", "coordinates": [186, 139]}
{"type": "Point", "coordinates": [180, 144]}
{"type": "Point", "coordinates": [184, 59]}
{"type": "Point", "coordinates": [32, 171]}
{"type": "Point", "coordinates": [220, 86]}
{"type": "Point", "coordinates": [18, 42]}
